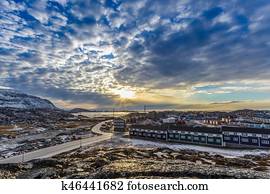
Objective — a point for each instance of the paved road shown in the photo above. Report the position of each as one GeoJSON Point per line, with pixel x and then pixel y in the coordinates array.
{"type": "Point", "coordinates": [58, 149]}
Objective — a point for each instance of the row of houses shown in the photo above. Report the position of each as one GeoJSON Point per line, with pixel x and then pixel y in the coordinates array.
{"type": "Point", "coordinates": [214, 136]}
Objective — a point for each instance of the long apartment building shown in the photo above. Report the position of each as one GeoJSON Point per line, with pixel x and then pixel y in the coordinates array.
{"type": "Point", "coordinates": [212, 136]}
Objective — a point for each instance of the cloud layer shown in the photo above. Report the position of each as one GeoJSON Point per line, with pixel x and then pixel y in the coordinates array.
{"type": "Point", "coordinates": [191, 51]}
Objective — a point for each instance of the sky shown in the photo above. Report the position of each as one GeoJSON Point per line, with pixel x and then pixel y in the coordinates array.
{"type": "Point", "coordinates": [173, 54]}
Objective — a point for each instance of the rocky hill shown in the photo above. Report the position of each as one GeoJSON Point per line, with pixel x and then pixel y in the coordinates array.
{"type": "Point", "coordinates": [14, 99]}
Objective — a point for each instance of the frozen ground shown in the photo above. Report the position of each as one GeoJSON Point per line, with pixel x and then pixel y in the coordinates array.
{"type": "Point", "coordinates": [4, 147]}
{"type": "Point", "coordinates": [221, 151]}
{"type": "Point", "coordinates": [40, 138]}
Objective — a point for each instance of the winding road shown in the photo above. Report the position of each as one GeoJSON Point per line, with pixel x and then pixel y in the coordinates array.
{"type": "Point", "coordinates": [61, 148]}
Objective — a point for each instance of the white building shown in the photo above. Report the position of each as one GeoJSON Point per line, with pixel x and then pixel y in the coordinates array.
{"type": "Point", "coordinates": [170, 120]}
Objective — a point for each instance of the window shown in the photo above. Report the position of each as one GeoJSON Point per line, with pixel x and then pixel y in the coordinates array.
{"type": "Point", "coordinates": [254, 140]}
{"type": "Point", "coordinates": [227, 138]}
{"type": "Point", "coordinates": [265, 141]}
{"type": "Point", "coordinates": [245, 140]}
{"type": "Point", "coordinates": [235, 139]}
{"type": "Point", "coordinates": [218, 140]}
{"type": "Point", "coordinates": [210, 140]}
{"type": "Point", "coordinates": [196, 138]}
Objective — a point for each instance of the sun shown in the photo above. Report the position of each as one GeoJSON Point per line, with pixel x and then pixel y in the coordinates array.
{"type": "Point", "coordinates": [125, 93]}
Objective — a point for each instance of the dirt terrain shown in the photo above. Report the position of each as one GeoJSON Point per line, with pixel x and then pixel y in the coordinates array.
{"type": "Point", "coordinates": [133, 162]}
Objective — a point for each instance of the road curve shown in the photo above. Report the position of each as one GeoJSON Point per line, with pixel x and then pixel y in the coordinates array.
{"type": "Point", "coordinates": [58, 149]}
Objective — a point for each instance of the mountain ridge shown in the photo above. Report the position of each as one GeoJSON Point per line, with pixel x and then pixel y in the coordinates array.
{"type": "Point", "coordinates": [14, 99]}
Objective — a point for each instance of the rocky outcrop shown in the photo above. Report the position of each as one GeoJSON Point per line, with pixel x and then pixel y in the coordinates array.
{"type": "Point", "coordinates": [131, 162]}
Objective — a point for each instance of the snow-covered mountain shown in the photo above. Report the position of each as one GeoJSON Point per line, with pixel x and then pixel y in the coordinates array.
{"type": "Point", "coordinates": [14, 99]}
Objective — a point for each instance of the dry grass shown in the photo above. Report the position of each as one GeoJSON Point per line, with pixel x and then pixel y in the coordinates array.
{"type": "Point", "coordinates": [6, 127]}
{"type": "Point", "coordinates": [7, 132]}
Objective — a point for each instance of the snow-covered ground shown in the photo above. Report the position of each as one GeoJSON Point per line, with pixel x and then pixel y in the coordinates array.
{"type": "Point", "coordinates": [4, 147]}
{"type": "Point", "coordinates": [212, 150]}
{"type": "Point", "coordinates": [15, 128]}
{"type": "Point", "coordinates": [41, 129]}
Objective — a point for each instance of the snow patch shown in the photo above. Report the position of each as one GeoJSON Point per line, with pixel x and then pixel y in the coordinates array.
{"type": "Point", "coordinates": [211, 150]}
{"type": "Point", "coordinates": [41, 129]}
{"type": "Point", "coordinates": [15, 128]}
{"type": "Point", "coordinates": [4, 147]}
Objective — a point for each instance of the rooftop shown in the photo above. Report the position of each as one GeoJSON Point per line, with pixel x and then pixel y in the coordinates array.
{"type": "Point", "coordinates": [203, 129]}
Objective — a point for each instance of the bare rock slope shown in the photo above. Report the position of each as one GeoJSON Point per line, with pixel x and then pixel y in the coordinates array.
{"type": "Point", "coordinates": [14, 99]}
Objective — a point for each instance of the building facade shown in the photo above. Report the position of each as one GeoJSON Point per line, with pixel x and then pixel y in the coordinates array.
{"type": "Point", "coordinates": [119, 124]}
{"type": "Point", "coordinates": [212, 136]}
{"type": "Point", "coordinates": [235, 136]}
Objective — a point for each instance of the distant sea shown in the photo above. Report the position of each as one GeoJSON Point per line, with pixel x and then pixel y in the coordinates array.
{"type": "Point", "coordinates": [102, 114]}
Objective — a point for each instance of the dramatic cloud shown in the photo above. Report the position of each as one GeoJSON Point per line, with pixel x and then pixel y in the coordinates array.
{"type": "Point", "coordinates": [186, 53]}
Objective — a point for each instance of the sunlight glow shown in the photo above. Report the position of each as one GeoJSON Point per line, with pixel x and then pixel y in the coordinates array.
{"type": "Point", "coordinates": [125, 93]}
